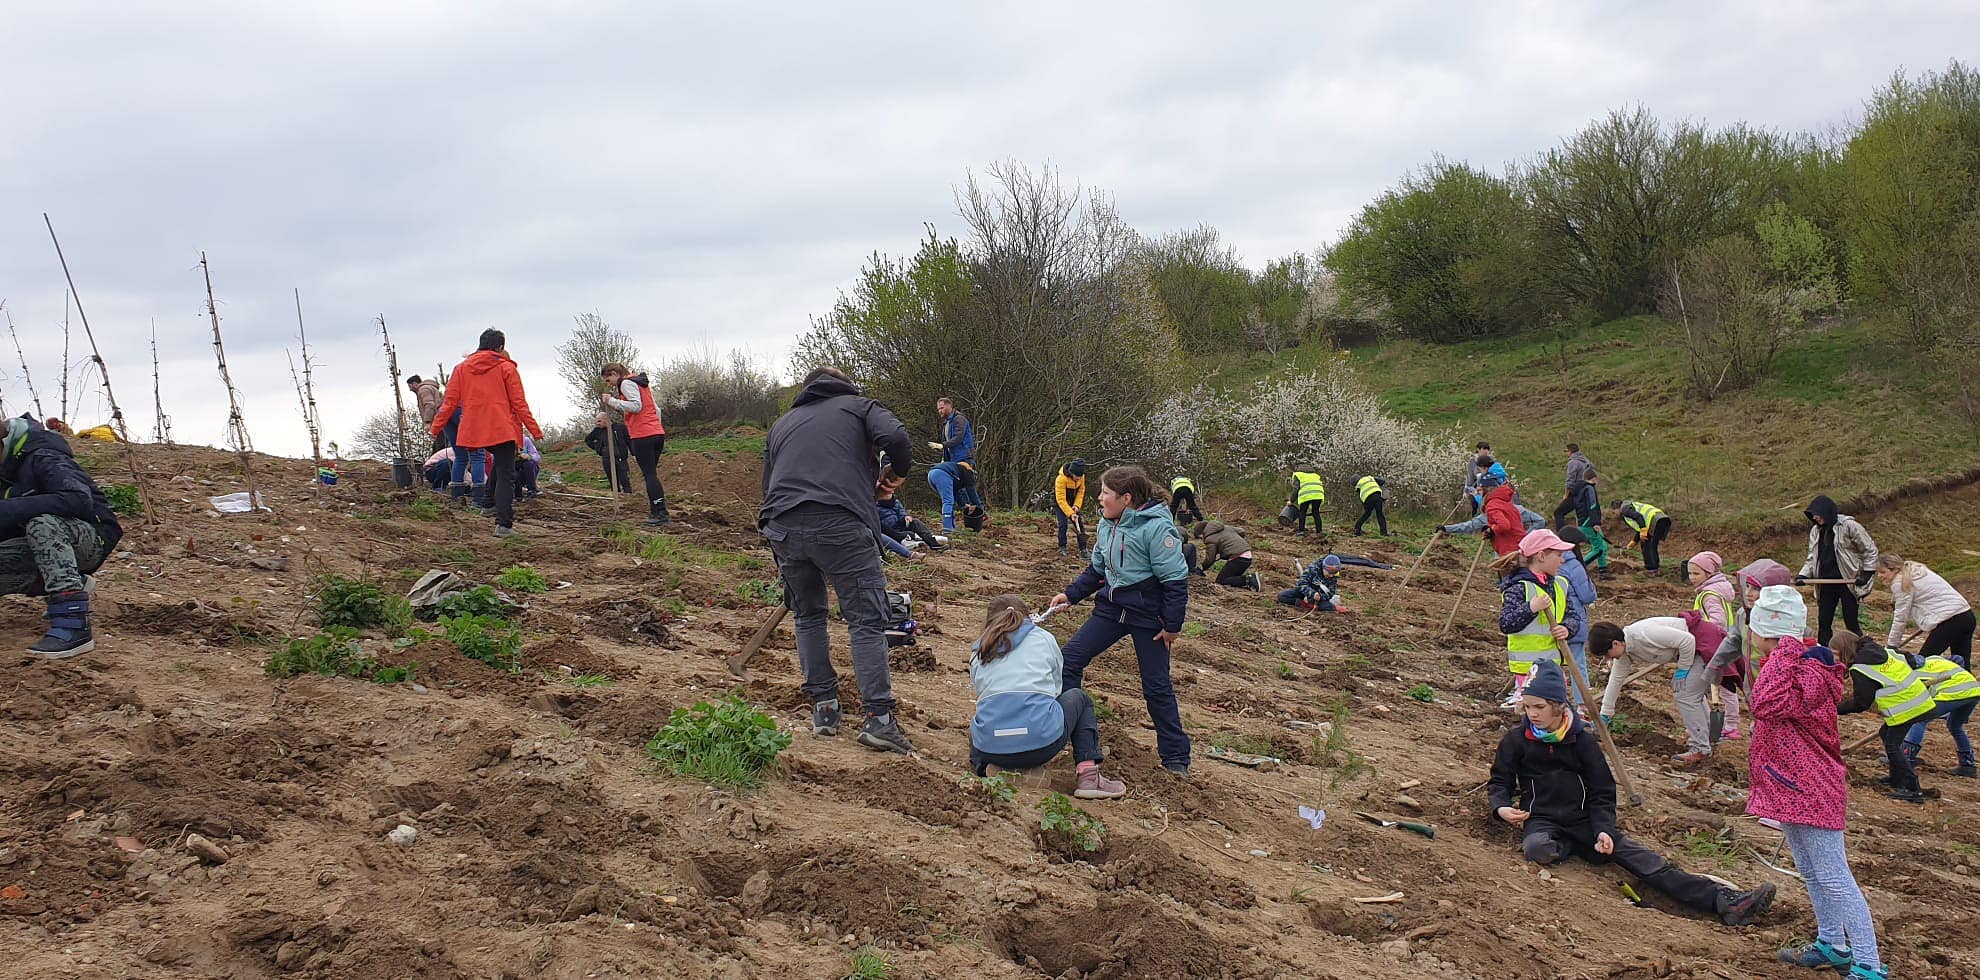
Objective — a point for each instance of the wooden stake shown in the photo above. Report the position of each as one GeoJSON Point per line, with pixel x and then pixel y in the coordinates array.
{"type": "Point", "coordinates": [35, 395]}
{"type": "Point", "coordinates": [307, 390]}
{"type": "Point", "coordinates": [1433, 540]}
{"type": "Point", "coordinates": [1452, 618]}
{"type": "Point", "coordinates": [236, 426]}
{"type": "Point", "coordinates": [1573, 670]}
{"type": "Point", "coordinates": [116, 413]}
{"type": "Point", "coordinates": [161, 430]}
{"type": "Point", "coordinates": [398, 394]}
{"type": "Point", "coordinates": [65, 343]}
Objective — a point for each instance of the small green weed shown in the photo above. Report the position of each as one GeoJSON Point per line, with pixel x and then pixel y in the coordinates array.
{"type": "Point", "coordinates": [869, 964]}
{"type": "Point", "coordinates": [359, 603]}
{"type": "Point", "coordinates": [489, 639]}
{"type": "Point", "coordinates": [1714, 846]}
{"type": "Point", "coordinates": [1284, 670]}
{"type": "Point", "coordinates": [1102, 709]}
{"type": "Point", "coordinates": [1620, 725]}
{"type": "Point", "coordinates": [124, 498]}
{"type": "Point", "coordinates": [395, 675]}
{"type": "Point", "coordinates": [760, 592]}
{"type": "Point", "coordinates": [1240, 742]}
{"type": "Point", "coordinates": [1072, 830]}
{"type": "Point", "coordinates": [335, 652]}
{"type": "Point", "coordinates": [727, 743]}
{"type": "Point", "coordinates": [1422, 692]}
{"type": "Point", "coordinates": [426, 509]}
{"type": "Point", "coordinates": [478, 601]}
{"type": "Point", "coordinates": [587, 680]}
{"type": "Point", "coordinates": [522, 578]}
{"type": "Point", "coordinates": [1001, 787]}
{"type": "Point", "coordinates": [1194, 629]}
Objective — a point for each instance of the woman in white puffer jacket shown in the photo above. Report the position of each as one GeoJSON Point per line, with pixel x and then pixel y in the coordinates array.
{"type": "Point", "coordinates": [1925, 600]}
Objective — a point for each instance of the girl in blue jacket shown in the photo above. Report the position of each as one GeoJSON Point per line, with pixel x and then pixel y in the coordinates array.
{"type": "Point", "coordinates": [1141, 587]}
{"type": "Point", "coordinates": [1023, 717]}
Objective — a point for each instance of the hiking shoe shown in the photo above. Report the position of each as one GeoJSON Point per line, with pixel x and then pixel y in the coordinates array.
{"type": "Point", "coordinates": [1817, 955]}
{"type": "Point", "coordinates": [1967, 770]}
{"type": "Point", "coordinates": [1905, 795]}
{"type": "Point", "coordinates": [1180, 770]}
{"type": "Point", "coordinates": [1858, 971]}
{"type": "Point", "coordinates": [825, 717]}
{"type": "Point", "coordinates": [504, 532]}
{"type": "Point", "coordinates": [1743, 907]}
{"type": "Point", "coordinates": [1094, 786]}
{"type": "Point", "coordinates": [68, 634]}
{"type": "Point", "coordinates": [1690, 758]}
{"type": "Point", "coordinates": [881, 734]}
{"type": "Point", "coordinates": [658, 520]}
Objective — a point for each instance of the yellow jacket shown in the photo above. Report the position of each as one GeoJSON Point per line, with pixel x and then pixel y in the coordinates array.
{"type": "Point", "coordinates": [1069, 493]}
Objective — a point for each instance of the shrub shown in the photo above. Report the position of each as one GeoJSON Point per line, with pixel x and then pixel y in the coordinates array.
{"type": "Point", "coordinates": [359, 603]}
{"type": "Point", "coordinates": [522, 578]}
{"type": "Point", "coordinates": [335, 652]}
{"type": "Point", "coordinates": [478, 601]}
{"type": "Point", "coordinates": [1070, 829]}
{"type": "Point", "coordinates": [489, 639]}
{"type": "Point", "coordinates": [124, 498]}
{"type": "Point", "coordinates": [727, 743]}
{"type": "Point", "coordinates": [1422, 692]}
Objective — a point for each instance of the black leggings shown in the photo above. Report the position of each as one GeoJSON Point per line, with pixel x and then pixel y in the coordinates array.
{"type": "Point", "coordinates": [1310, 507]}
{"type": "Point", "coordinates": [1954, 637]}
{"type": "Point", "coordinates": [646, 452]}
{"type": "Point", "coordinates": [1826, 599]}
{"type": "Point", "coordinates": [1234, 573]}
{"type": "Point", "coordinates": [1659, 530]}
{"type": "Point", "coordinates": [1182, 503]}
{"type": "Point", "coordinates": [500, 490]}
{"type": "Point", "coordinates": [1374, 505]}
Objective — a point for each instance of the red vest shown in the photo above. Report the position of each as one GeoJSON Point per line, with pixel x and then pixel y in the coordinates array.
{"type": "Point", "coordinates": [646, 421]}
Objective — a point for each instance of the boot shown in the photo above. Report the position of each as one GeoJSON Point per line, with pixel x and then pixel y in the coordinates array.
{"type": "Point", "coordinates": [69, 634]}
{"type": "Point", "coordinates": [656, 513]}
{"type": "Point", "coordinates": [1743, 907]}
{"type": "Point", "coordinates": [882, 734]}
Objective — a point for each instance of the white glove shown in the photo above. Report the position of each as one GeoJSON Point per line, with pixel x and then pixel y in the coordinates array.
{"type": "Point", "coordinates": [935, 446]}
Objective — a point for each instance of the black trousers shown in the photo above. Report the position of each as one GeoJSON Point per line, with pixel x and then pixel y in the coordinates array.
{"type": "Point", "coordinates": [1547, 842]}
{"type": "Point", "coordinates": [1184, 503]}
{"type": "Point", "coordinates": [1827, 598]}
{"type": "Point", "coordinates": [1903, 774]}
{"type": "Point", "coordinates": [1233, 573]}
{"type": "Point", "coordinates": [646, 452]}
{"type": "Point", "coordinates": [1954, 638]}
{"type": "Point", "coordinates": [615, 471]}
{"type": "Point", "coordinates": [1374, 506]}
{"type": "Point", "coordinates": [500, 490]}
{"type": "Point", "coordinates": [1659, 530]}
{"type": "Point", "coordinates": [1079, 529]}
{"type": "Point", "coordinates": [1310, 507]}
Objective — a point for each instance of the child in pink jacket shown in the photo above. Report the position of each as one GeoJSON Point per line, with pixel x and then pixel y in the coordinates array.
{"type": "Point", "coordinates": [1798, 780]}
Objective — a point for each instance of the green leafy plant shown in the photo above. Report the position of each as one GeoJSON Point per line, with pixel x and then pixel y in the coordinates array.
{"type": "Point", "coordinates": [395, 675]}
{"type": "Point", "coordinates": [869, 964]}
{"type": "Point", "coordinates": [1074, 829]}
{"type": "Point", "coordinates": [760, 592]}
{"type": "Point", "coordinates": [1002, 787]}
{"type": "Point", "coordinates": [728, 743]}
{"type": "Point", "coordinates": [522, 578]}
{"type": "Point", "coordinates": [412, 638]}
{"type": "Point", "coordinates": [489, 639]}
{"type": "Point", "coordinates": [478, 601]}
{"type": "Point", "coordinates": [1620, 725]}
{"type": "Point", "coordinates": [124, 498]}
{"type": "Point", "coordinates": [334, 652]}
{"type": "Point", "coordinates": [1422, 692]}
{"type": "Point", "coordinates": [1284, 670]}
{"type": "Point", "coordinates": [359, 603]}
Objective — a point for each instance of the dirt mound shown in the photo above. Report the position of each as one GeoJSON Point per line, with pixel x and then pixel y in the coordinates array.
{"type": "Point", "coordinates": [629, 619]}
{"type": "Point", "coordinates": [189, 618]}
{"type": "Point", "coordinates": [330, 947]}
{"type": "Point", "coordinates": [1152, 866]}
{"type": "Point", "coordinates": [57, 880]}
{"type": "Point", "coordinates": [43, 692]}
{"type": "Point", "coordinates": [1120, 938]}
{"type": "Point", "coordinates": [624, 718]}
{"type": "Point", "coordinates": [572, 657]}
{"type": "Point", "coordinates": [930, 797]}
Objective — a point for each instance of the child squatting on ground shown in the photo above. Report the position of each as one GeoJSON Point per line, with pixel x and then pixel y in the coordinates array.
{"type": "Point", "coordinates": [1023, 717]}
{"type": "Point", "coordinates": [1140, 585]}
{"type": "Point", "coordinates": [1550, 781]}
{"type": "Point", "coordinates": [1799, 782]}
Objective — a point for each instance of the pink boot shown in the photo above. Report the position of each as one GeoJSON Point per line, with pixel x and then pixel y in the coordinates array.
{"type": "Point", "coordinates": [1094, 786]}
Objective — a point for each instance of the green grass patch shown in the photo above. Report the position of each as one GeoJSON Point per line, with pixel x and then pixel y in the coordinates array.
{"type": "Point", "coordinates": [1718, 847]}
{"type": "Point", "coordinates": [489, 639]}
{"type": "Point", "coordinates": [1240, 742]}
{"type": "Point", "coordinates": [726, 443]}
{"type": "Point", "coordinates": [869, 964]}
{"type": "Point", "coordinates": [522, 578]}
{"type": "Point", "coordinates": [426, 509]}
{"type": "Point", "coordinates": [728, 743]}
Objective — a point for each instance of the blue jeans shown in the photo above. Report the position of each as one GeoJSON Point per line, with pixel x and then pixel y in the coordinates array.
{"type": "Point", "coordinates": [1157, 690]}
{"type": "Point", "coordinates": [1579, 649]}
{"type": "Point", "coordinates": [1842, 917]}
{"type": "Point", "coordinates": [952, 493]}
{"type": "Point", "coordinates": [1956, 717]}
{"type": "Point", "coordinates": [463, 457]}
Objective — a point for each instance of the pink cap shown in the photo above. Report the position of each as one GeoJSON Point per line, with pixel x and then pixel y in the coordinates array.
{"type": "Point", "coordinates": [1541, 540]}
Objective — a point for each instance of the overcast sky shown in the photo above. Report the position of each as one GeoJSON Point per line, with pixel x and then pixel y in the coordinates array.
{"type": "Point", "coordinates": [715, 174]}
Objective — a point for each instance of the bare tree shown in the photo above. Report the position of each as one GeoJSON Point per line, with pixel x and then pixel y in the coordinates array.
{"type": "Point", "coordinates": [375, 438]}
{"type": "Point", "coordinates": [593, 343]}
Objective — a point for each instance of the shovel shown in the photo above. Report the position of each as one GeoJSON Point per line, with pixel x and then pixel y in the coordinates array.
{"type": "Point", "coordinates": [1416, 828]}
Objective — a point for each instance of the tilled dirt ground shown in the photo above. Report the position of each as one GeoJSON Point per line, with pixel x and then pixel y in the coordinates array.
{"type": "Point", "coordinates": [549, 846]}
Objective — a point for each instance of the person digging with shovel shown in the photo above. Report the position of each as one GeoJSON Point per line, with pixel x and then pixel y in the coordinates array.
{"type": "Point", "coordinates": [1550, 781]}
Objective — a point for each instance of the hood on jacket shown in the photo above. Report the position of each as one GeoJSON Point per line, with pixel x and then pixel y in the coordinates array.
{"type": "Point", "coordinates": [1503, 491]}
{"type": "Point", "coordinates": [1823, 508]}
{"type": "Point", "coordinates": [639, 379]}
{"type": "Point", "coordinates": [1208, 528]}
{"type": "Point", "coordinates": [1152, 510]}
{"type": "Point", "coordinates": [1764, 572]}
{"type": "Point", "coordinates": [482, 362]}
{"type": "Point", "coordinates": [823, 388]}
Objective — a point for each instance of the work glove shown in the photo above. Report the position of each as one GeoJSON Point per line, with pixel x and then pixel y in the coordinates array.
{"type": "Point", "coordinates": [1821, 653]}
{"type": "Point", "coordinates": [1682, 674]}
{"type": "Point", "coordinates": [935, 446]}
{"type": "Point", "coordinates": [1863, 577]}
{"type": "Point", "coordinates": [1801, 580]}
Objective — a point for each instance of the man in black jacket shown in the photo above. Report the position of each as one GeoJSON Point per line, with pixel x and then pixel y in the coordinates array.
{"type": "Point", "coordinates": [615, 468]}
{"type": "Point", "coordinates": [819, 472]}
{"type": "Point", "coordinates": [1550, 780]}
{"type": "Point", "coordinates": [56, 527]}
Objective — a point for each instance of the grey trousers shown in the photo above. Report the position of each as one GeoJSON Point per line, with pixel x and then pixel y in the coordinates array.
{"type": "Point", "coordinates": [50, 556]}
{"type": "Point", "coordinates": [817, 543]}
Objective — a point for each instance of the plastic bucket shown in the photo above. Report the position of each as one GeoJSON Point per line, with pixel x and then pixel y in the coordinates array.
{"type": "Point", "coordinates": [402, 474]}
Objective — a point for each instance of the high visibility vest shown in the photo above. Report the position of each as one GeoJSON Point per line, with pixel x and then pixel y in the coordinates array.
{"type": "Point", "coordinates": [1181, 483]}
{"type": "Point", "coordinates": [1902, 696]}
{"type": "Point", "coordinates": [1646, 516]}
{"type": "Point", "coordinates": [1698, 606]}
{"type": "Point", "coordinates": [1368, 487]}
{"type": "Point", "coordinates": [1536, 641]}
{"type": "Point", "coordinates": [1948, 681]}
{"type": "Point", "coordinates": [1310, 488]}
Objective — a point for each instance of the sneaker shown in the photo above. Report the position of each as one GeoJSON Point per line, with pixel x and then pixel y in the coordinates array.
{"type": "Point", "coordinates": [1743, 907]}
{"type": "Point", "coordinates": [1860, 972]}
{"type": "Point", "coordinates": [825, 717]}
{"type": "Point", "coordinates": [1690, 758]}
{"type": "Point", "coordinates": [1180, 770]}
{"type": "Point", "coordinates": [1257, 584]}
{"type": "Point", "coordinates": [1817, 955]}
{"type": "Point", "coordinates": [1728, 732]}
{"type": "Point", "coordinates": [883, 735]}
{"type": "Point", "coordinates": [659, 520]}
{"type": "Point", "coordinates": [1905, 795]}
{"type": "Point", "coordinates": [1094, 786]}
{"type": "Point", "coordinates": [504, 532]}
{"type": "Point", "coordinates": [1967, 770]}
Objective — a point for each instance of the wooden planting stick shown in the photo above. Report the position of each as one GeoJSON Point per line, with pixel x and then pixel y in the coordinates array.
{"type": "Point", "coordinates": [36, 395]}
{"type": "Point", "coordinates": [116, 413]}
{"type": "Point", "coordinates": [1452, 618]}
{"type": "Point", "coordinates": [236, 425]}
{"type": "Point", "coordinates": [1573, 670]}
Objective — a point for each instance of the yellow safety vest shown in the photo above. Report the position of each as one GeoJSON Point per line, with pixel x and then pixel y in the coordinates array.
{"type": "Point", "coordinates": [1948, 680]}
{"type": "Point", "coordinates": [1310, 488]}
{"type": "Point", "coordinates": [1902, 696]}
{"type": "Point", "coordinates": [1368, 487]}
{"type": "Point", "coordinates": [1648, 516]}
{"type": "Point", "coordinates": [1698, 606]}
{"type": "Point", "coordinates": [1536, 641]}
{"type": "Point", "coordinates": [1181, 483]}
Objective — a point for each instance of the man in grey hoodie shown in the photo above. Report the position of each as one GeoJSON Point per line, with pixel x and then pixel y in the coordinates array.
{"type": "Point", "coordinates": [1580, 499]}
{"type": "Point", "coordinates": [819, 470]}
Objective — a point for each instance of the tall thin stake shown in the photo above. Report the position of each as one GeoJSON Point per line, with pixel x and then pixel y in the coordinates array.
{"type": "Point", "coordinates": [65, 351]}
{"type": "Point", "coordinates": [116, 413]}
{"type": "Point", "coordinates": [398, 394]}
{"type": "Point", "coordinates": [308, 388]}
{"type": "Point", "coordinates": [236, 426]}
{"type": "Point", "coordinates": [161, 430]}
{"type": "Point", "coordinates": [36, 395]}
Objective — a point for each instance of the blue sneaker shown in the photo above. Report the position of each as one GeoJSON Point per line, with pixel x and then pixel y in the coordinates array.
{"type": "Point", "coordinates": [1861, 972]}
{"type": "Point", "coordinates": [1817, 955]}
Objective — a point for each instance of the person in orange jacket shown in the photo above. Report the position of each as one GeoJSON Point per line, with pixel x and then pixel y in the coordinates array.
{"type": "Point", "coordinates": [494, 415]}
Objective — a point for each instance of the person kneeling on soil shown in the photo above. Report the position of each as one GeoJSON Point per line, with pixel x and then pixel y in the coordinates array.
{"type": "Point", "coordinates": [1024, 717]}
{"type": "Point", "coordinates": [1550, 781]}
{"type": "Point", "coordinates": [896, 527]}
{"type": "Point", "coordinates": [1222, 542]}
{"type": "Point", "coordinates": [1319, 587]}
{"type": "Point", "coordinates": [56, 527]}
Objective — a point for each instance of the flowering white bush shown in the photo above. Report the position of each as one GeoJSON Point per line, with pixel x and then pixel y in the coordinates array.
{"type": "Point", "coordinates": [1323, 419]}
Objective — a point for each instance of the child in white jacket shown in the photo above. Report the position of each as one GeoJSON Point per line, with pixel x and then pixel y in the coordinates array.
{"type": "Point", "coordinates": [1023, 717]}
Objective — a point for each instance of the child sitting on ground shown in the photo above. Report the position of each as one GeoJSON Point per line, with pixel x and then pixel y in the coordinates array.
{"type": "Point", "coordinates": [1550, 781]}
{"type": "Point", "coordinates": [895, 524]}
{"type": "Point", "coordinates": [1319, 587]}
{"type": "Point", "coordinates": [1024, 717]}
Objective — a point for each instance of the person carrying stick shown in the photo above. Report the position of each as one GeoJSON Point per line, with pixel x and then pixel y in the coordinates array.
{"type": "Point", "coordinates": [1536, 612]}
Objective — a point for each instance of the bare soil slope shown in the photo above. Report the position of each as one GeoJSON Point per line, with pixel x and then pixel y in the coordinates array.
{"type": "Point", "coordinates": [549, 845]}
